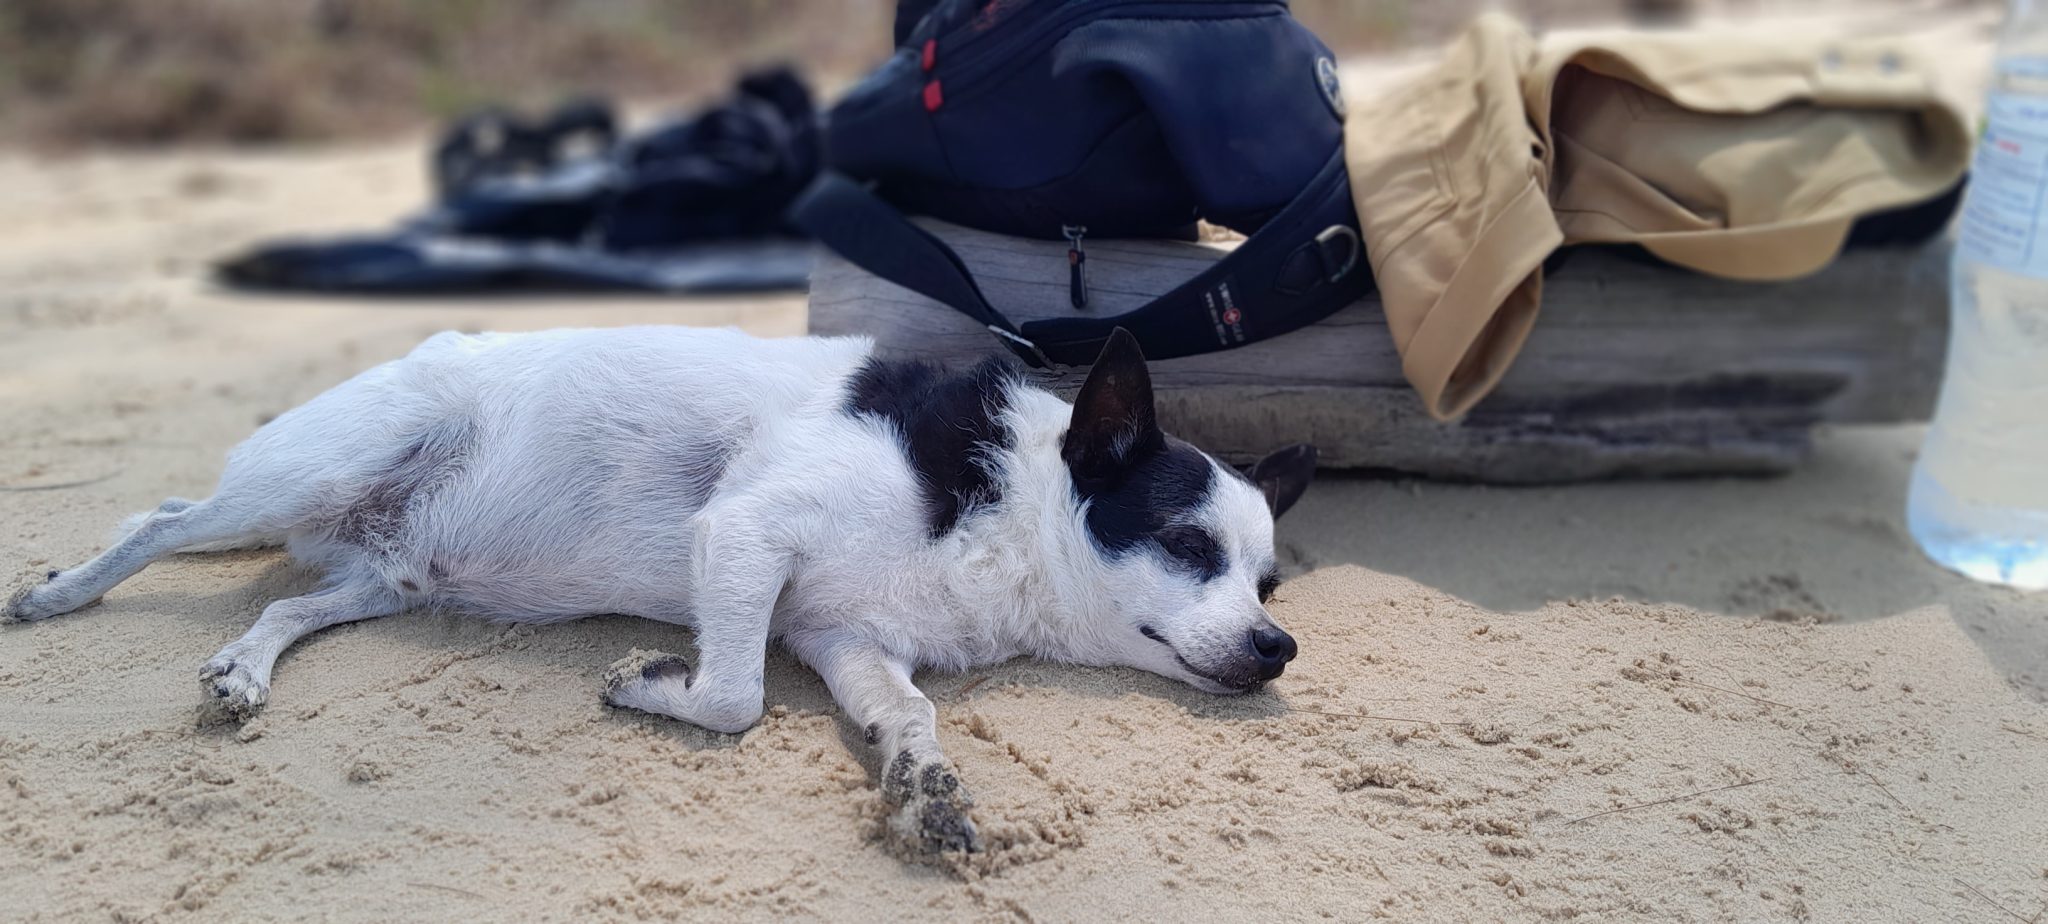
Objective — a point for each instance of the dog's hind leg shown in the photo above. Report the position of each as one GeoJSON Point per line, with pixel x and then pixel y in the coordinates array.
{"type": "Point", "coordinates": [253, 540]}
{"type": "Point", "coordinates": [175, 525]}
{"type": "Point", "coordinates": [238, 678]}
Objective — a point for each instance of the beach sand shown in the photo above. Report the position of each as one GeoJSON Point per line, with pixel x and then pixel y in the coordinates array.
{"type": "Point", "coordinates": [1711, 700]}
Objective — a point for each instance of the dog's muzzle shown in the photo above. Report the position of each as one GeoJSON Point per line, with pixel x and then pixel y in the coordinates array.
{"type": "Point", "coordinates": [1271, 649]}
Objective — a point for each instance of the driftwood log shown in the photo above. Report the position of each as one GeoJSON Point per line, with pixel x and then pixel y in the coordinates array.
{"type": "Point", "coordinates": [1634, 369]}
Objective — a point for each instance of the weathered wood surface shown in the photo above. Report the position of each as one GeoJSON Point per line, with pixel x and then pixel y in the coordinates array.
{"type": "Point", "coordinates": [1633, 368]}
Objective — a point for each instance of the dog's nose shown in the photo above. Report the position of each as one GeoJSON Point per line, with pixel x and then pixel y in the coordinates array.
{"type": "Point", "coordinates": [1274, 649]}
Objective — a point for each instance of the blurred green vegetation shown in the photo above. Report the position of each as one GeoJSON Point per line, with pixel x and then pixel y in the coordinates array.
{"type": "Point", "coordinates": [142, 72]}
{"type": "Point", "coordinates": [136, 72]}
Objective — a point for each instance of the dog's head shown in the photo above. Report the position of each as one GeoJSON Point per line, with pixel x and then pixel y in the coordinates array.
{"type": "Point", "coordinates": [1182, 544]}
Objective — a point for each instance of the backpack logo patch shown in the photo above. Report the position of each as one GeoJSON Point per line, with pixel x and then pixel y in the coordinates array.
{"type": "Point", "coordinates": [1326, 81]}
{"type": "Point", "coordinates": [1224, 314]}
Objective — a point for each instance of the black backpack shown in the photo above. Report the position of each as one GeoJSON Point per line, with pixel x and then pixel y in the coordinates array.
{"type": "Point", "coordinates": [569, 202]}
{"type": "Point", "coordinates": [1103, 118]}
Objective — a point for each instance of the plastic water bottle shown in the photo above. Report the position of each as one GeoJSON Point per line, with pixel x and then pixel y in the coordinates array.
{"type": "Point", "coordinates": [1979, 501]}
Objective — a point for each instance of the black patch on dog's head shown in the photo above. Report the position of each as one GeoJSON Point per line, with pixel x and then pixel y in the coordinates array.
{"type": "Point", "coordinates": [1152, 502]}
{"type": "Point", "coordinates": [1140, 484]}
{"type": "Point", "coordinates": [948, 424]}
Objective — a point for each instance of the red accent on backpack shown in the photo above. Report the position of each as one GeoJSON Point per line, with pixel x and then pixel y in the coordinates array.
{"type": "Point", "coordinates": [933, 97]}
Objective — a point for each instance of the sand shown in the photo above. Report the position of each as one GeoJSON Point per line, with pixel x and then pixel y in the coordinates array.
{"type": "Point", "coordinates": [1698, 701]}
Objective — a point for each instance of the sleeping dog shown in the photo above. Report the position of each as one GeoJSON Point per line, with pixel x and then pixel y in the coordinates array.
{"type": "Point", "coordinates": [875, 516]}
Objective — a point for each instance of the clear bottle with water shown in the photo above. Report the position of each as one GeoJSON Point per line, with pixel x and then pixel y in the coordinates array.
{"type": "Point", "coordinates": [1979, 500]}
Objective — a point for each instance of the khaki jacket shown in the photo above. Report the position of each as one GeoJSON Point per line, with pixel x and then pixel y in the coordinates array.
{"type": "Point", "coordinates": [1733, 156]}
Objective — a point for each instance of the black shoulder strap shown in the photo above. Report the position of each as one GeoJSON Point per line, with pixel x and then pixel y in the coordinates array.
{"type": "Point", "coordinates": [1307, 262]}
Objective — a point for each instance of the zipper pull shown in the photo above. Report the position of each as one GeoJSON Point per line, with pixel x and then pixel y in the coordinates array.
{"type": "Point", "coordinates": [1077, 266]}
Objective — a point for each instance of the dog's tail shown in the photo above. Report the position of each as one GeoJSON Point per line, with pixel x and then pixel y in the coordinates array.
{"type": "Point", "coordinates": [235, 544]}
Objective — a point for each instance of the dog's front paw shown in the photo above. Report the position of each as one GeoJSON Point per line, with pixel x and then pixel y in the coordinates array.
{"type": "Point", "coordinates": [936, 826]}
{"type": "Point", "coordinates": [233, 689]}
{"type": "Point", "coordinates": [932, 813]}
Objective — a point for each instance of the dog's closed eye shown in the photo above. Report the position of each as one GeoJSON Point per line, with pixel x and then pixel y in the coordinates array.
{"type": "Point", "coordinates": [1268, 582]}
{"type": "Point", "coordinates": [1193, 548]}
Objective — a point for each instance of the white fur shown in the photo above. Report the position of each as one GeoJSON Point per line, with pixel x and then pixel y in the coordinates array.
{"type": "Point", "coordinates": [697, 477]}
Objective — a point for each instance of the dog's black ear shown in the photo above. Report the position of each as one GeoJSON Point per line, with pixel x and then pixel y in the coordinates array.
{"type": "Point", "coordinates": [1284, 475]}
{"type": "Point", "coordinates": [1114, 422]}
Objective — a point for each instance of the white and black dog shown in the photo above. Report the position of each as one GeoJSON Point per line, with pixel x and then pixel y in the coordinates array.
{"type": "Point", "coordinates": [875, 516]}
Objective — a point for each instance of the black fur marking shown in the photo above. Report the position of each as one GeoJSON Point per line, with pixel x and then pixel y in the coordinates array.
{"type": "Point", "coordinates": [51, 576]}
{"type": "Point", "coordinates": [1156, 489]}
{"type": "Point", "coordinates": [948, 425]}
{"type": "Point", "coordinates": [410, 586]}
{"type": "Point", "coordinates": [378, 515]}
{"type": "Point", "coordinates": [1194, 549]}
{"type": "Point", "coordinates": [1268, 582]}
{"type": "Point", "coordinates": [873, 733]}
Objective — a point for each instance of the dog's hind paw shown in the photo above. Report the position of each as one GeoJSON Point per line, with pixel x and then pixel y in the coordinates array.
{"type": "Point", "coordinates": [17, 608]}
{"type": "Point", "coordinates": [233, 689]}
{"type": "Point", "coordinates": [630, 680]}
{"type": "Point", "coordinates": [32, 600]}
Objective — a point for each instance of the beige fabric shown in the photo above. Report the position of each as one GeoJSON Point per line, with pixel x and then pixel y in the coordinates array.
{"type": "Point", "coordinates": [1737, 156]}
